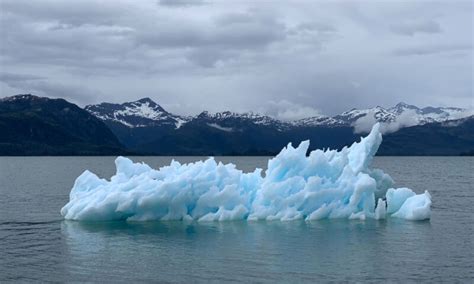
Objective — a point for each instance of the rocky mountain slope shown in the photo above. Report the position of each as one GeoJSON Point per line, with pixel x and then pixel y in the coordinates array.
{"type": "Point", "coordinates": [31, 125]}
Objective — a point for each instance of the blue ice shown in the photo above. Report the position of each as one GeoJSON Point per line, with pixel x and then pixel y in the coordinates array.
{"type": "Point", "coordinates": [325, 184]}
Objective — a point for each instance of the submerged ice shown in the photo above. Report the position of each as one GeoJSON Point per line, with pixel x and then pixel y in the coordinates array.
{"type": "Point", "coordinates": [325, 184]}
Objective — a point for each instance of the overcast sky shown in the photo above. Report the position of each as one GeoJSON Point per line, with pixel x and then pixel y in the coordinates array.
{"type": "Point", "coordinates": [289, 59]}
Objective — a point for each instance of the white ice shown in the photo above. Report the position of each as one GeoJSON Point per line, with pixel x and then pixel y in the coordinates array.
{"type": "Point", "coordinates": [325, 184]}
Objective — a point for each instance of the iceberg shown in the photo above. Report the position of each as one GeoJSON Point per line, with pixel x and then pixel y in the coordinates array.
{"type": "Point", "coordinates": [295, 186]}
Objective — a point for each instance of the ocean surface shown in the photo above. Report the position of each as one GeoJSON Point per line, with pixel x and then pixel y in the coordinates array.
{"type": "Point", "coordinates": [37, 245]}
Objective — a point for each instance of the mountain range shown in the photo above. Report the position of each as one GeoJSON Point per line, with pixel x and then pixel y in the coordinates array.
{"type": "Point", "coordinates": [144, 127]}
{"type": "Point", "coordinates": [145, 113]}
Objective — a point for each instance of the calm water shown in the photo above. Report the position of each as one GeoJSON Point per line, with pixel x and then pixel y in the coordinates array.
{"type": "Point", "coordinates": [37, 245]}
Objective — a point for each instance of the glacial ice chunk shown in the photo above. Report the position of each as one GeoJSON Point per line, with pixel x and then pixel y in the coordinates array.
{"type": "Point", "coordinates": [324, 184]}
{"type": "Point", "coordinates": [396, 198]}
{"type": "Point", "coordinates": [416, 207]}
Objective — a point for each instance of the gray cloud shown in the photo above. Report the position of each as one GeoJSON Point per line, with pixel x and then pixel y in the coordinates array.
{"type": "Point", "coordinates": [71, 13]}
{"type": "Point", "coordinates": [406, 119]}
{"type": "Point", "coordinates": [178, 3]}
{"type": "Point", "coordinates": [315, 26]}
{"type": "Point", "coordinates": [288, 111]}
{"type": "Point", "coordinates": [41, 86]}
{"type": "Point", "coordinates": [287, 59]}
{"type": "Point", "coordinates": [10, 77]}
{"type": "Point", "coordinates": [413, 27]}
{"type": "Point", "coordinates": [431, 49]}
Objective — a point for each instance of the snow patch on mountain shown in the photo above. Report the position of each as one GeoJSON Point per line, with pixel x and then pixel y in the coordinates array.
{"type": "Point", "coordinates": [222, 128]}
{"type": "Point", "coordinates": [142, 109]}
{"type": "Point", "coordinates": [318, 121]}
{"type": "Point", "coordinates": [229, 117]}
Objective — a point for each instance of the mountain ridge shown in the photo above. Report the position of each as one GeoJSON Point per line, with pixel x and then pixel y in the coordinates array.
{"type": "Point", "coordinates": [35, 126]}
{"type": "Point", "coordinates": [145, 112]}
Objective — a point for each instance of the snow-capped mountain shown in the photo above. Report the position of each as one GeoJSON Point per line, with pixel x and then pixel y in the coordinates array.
{"type": "Point", "coordinates": [429, 114]}
{"type": "Point", "coordinates": [255, 117]}
{"type": "Point", "coordinates": [145, 113]}
{"type": "Point", "coordinates": [397, 113]}
{"type": "Point", "coordinates": [142, 113]}
{"type": "Point", "coordinates": [379, 113]}
{"type": "Point", "coordinates": [229, 120]}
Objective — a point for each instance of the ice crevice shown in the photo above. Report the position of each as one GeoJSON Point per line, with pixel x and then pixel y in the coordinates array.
{"type": "Point", "coordinates": [323, 184]}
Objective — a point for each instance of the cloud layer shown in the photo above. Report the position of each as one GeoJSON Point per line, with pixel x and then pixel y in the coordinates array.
{"type": "Point", "coordinates": [288, 58]}
{"type": "Point", "coordinates": [405, 119]}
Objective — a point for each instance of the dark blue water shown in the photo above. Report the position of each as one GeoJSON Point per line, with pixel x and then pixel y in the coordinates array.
{"type": "Point", "coordinates": [37, 245]}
